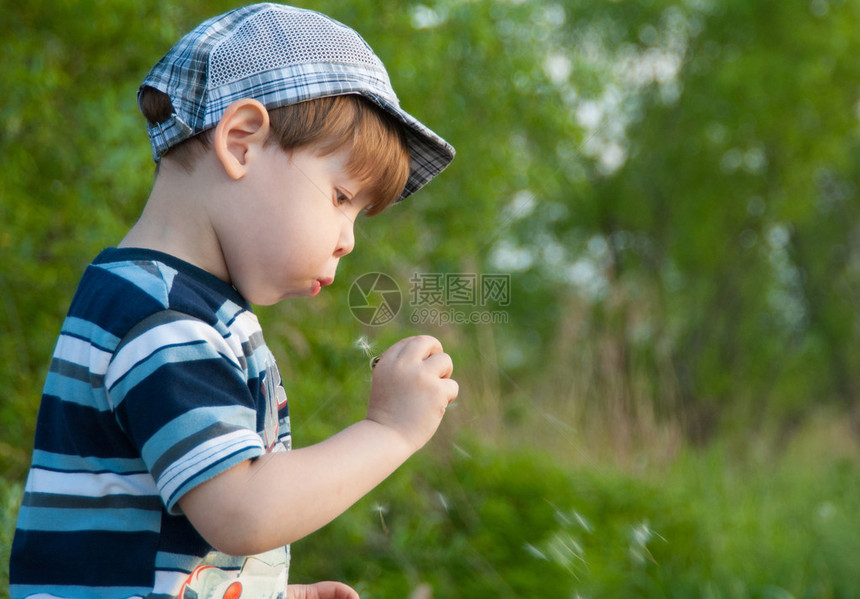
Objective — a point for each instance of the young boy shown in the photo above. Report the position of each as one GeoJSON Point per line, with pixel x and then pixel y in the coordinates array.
{"type": "Point", "coordinates": [160, 461]}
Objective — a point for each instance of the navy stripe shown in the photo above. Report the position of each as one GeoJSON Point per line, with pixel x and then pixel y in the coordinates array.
{"type": "Point", "coordinates": [95, 558]}
{"type": "Point", "coordinates": [102, 292]}
{"type": "Point", "coordinates": [181, 537]}
{"type": "Point", "coordinates": [95, 432]}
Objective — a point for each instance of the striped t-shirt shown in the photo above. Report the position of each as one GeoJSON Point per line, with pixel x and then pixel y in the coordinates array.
{"type": "Point", "coordinates": [160, 380]}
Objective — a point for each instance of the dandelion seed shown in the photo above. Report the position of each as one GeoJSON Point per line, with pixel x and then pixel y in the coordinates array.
{"type": "Point", "coordinates": [640, 536]}
{"type": "Point", "coordinates": [585, 524]}
{"type": "Point", "coordinates": [382, 510]}
{"type": "Point", "coordinates": [362, 344]}
{"type": "Point", "coordinates": [461, 451]}
{"type": "Point", "coordinates": [535, 552]}
{"type": "Point", "coordinates": [562, 518]}
{"type": "Point", "coordinates": [641, 533]}
{"type": "Point", "coordinates": [565, 549]}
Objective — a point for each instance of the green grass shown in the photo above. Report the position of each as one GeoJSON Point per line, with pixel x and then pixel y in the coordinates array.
{"type": "Point", "coordinates": [10, 497]}
{"type": "Point", "coordinates": [471, 521]}
{"type": "Point", "coordinates": [490, 523]}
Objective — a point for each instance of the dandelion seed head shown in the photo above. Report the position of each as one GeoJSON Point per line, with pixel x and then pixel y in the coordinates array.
{"type": "Point", "coordinates": [362, 344]}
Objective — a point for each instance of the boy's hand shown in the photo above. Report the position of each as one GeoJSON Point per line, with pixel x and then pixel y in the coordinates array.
{"type": "Point", "coordinates": [321, 590]}
{"type": "Point", "coordinates": [411, 388]}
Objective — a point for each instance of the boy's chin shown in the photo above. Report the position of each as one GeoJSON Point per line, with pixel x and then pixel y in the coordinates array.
{"type": "Point", "coordinates": [271, 296]}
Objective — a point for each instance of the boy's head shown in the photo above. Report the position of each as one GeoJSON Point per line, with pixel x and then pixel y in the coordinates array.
{"type": "Point", "coordinates": [319, 80]}
{"type": "Point", "coordinates": [378, 152]}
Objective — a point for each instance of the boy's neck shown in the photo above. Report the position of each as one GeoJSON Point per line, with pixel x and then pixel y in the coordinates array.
{"type": "Point", "coordinates": [175, 219]}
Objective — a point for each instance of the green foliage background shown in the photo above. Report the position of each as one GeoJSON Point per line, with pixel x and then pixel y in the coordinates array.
{"type": "Point", "coordinates": [671, 409]}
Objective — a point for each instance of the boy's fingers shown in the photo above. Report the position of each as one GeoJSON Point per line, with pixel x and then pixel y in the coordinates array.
{"type": "Point", "coordinates": [424, 346]}
{"type": "Point", "coordinates": [453, 389]}
{"type": "Point", "coordinates": [419, 348]}
{"type": "Point", "coordinates": [441, 363]}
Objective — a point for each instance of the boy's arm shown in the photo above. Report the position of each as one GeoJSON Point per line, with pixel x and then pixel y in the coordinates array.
{"type": "Point", "coordinates": [279, 498]}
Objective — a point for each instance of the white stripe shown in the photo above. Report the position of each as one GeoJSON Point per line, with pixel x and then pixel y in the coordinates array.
{"type": "Point", "coordinates": [86, 484]}
{"type": "Point", "coordinates": [172, 333]}
{"type": "Point", "coordinates": [80, 352]}
{"type": "Point", "coordinates": [202, 456]}
{"type": "Point", "coordinates": [244, 325]}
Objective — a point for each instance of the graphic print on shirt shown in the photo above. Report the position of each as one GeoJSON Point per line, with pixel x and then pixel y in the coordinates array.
{"type": "Point", "coordinates": [262, 577]}
{"type": "Point", "coordinates": [276, 400]}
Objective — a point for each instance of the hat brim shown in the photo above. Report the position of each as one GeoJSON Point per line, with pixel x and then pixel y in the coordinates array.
{"type": "Point", "coordinates": [429, 154]}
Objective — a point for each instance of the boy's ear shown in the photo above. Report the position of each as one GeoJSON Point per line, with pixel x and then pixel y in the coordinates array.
{"type": "Point", "coordinates": [244, 123]}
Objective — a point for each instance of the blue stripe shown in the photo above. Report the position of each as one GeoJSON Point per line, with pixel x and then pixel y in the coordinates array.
{"type": "Point", "coordinates": [153, 278]}
{"type": "Point", "coordinates": [176, 562]}
{"type": "Point", "coordinates": [227, 314]}
{"type": "Point", "coordinates": [89, 331]}
{"type": "Point", "coordinates": [21, 591]}
{"type": "Point", "coordinates": [74, 520]}
{"type": "Point", "coordinates": [75, 391]}
{"type": "Point", "coordinates": [74, 463]}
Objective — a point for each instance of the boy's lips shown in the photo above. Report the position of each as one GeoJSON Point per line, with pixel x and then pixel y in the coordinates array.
{"type": "Point", "coordinates": [319, 284]}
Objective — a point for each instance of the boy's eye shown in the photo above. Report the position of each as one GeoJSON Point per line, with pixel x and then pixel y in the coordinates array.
{"type": "Point", "coordinates": [340, 198]}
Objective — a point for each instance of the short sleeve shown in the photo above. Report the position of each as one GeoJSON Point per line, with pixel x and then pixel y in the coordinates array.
{"type": "Point", "coordinates": [179, 390]}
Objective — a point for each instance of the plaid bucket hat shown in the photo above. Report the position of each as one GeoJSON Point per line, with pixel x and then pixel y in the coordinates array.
{"type": "Point", "coordinates": [279, 55]}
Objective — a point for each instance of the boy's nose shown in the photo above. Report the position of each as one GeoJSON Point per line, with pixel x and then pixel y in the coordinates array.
{"type": "Point", "coordinates": [346, 242]}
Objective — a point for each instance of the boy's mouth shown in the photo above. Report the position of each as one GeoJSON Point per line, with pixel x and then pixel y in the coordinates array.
{"type": "Point", "coordinates": [319, 284]}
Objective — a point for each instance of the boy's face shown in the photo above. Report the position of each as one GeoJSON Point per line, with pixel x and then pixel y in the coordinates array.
{"type": "Point", "coordinates": [293, 222]}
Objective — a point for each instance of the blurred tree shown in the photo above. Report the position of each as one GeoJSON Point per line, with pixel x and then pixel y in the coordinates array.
{"type": "Point", "coordinates": [742, 181]}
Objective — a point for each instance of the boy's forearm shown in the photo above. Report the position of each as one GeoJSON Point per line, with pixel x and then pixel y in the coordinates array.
{"type": "Point", "coordinates": [282, 497]}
